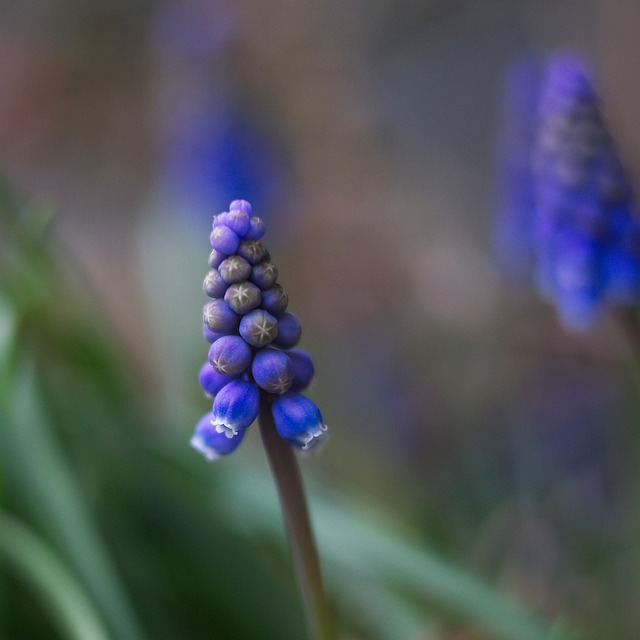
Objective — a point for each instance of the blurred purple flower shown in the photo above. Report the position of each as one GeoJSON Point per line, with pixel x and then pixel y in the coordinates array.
{"type": "Point", "coordinates": [565, 199]}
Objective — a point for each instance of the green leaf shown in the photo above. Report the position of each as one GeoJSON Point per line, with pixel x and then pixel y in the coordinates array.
{"type": "Point", "coordinates": [59, 591]}
{"type": "Point", "coordinates": [35, 463]}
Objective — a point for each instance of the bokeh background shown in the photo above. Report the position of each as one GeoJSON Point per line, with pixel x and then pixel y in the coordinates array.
{"type": "Point", "coordinates": [467, 427]}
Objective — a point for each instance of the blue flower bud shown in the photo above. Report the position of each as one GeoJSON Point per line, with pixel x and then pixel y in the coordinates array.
{"type": "Point", "coordinates": [259, 328]}
{"type": "Point", "coordinates": [256, 229]}
{"type": "Point", "coordinates": [272, 370]}
{"type": "Point", "coordinates": [234, 269]}
{"type": "Point", "coordinates": [235, 407]}
{"type": "Point", "coordinates": [289, 331]}
{"type": "Point", "coordinates": [211, 381]}
{"type": "Point", "coordinates": [252, 251]}
{"type": "Point", "coordinates": [215, 258]}
{"type": "Point", "coordinates": [219, 317]}
{"type": "Point", "coordinates": [230, 355]}
{"type": "Point", "coordinates": [242, 297]}
{"type": "Point", "coordinates": [224, 240]}
{"type": "Point", "coordinates": [210, 442]}
{"type": "Point", "coordinates": [298, 420]}
{"type": "Point", "coordinates": [264, 274]}
{"type": "Point", "coordinates": [241, 205]}
{"type": "Point", "coordinates": [214, 286]}
{"type": "Point", "coordinates": [238, 221]}
{"type": "Point", "coordinates": [275, 300]}
{"type": "Point", "coordinates": [303, 369]}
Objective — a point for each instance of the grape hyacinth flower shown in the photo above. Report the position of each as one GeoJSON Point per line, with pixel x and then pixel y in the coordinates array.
{"type": "Point", "coordinates": [584, 231]}
{"type": "Point", "coordinates": [252, 337]}
{"type": "Point", "coordinates": [254, 371]}
{"type": "Point", "coordinates": [588, 250]}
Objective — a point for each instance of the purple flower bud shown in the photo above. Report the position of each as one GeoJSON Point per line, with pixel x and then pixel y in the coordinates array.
{"type": "Point", "coordinates": [214, 286]}
{"type": "Point", "coordinates": [272, 370]}
{"type": "Point", "coordinates": [235, 407]}
{"type": "Point", "coordinates": [275, 300]}
{"type": "Point", "coordinates": [211, 381]}
{"type": "Point", "coordinates": [230, 355]}
{"type": "Point", "coordinates": [289, 331]}
{"type": "Point", "coordinates": [252, 251]}
{"type": "Point", "coordinates": [234, 269]}
{"type": "Point", "coordinates": [215, 258]}
{"type": "Point", "coordinates": [238, 221]}
{"type": "Point", "coordinates": [303, 369]}
{"type": "Point", "coordinates": [224, 240]}
{"type": "Point", "coordinates": [220, 220]}
{"type": "Point", "coordinates": [259, 328]}
{"type": "Point", "coordinates": [264, 274]}
{"type": "Point", "coordinates": [219, 317]}
{"type": "Point", "coordinates": [298, 420]}
{"type": "Point", "coordinates": [241, 205]}
{"type": "Point", "coordinates": [242, 297]}
{"type": "Point", "coordinates": [211, 443]}
{"type": "Point", "coordinates": [256, 229]}
{"type": "Point", "coordinates": [211, 336]}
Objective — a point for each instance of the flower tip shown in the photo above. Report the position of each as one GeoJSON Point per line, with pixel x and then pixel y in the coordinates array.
{"type": "Point", "coordinates": [198, 443]}
{"type": "Point", "coordinates": [315, 439]}
{"type": "Point", "coordinates": [210, 443]}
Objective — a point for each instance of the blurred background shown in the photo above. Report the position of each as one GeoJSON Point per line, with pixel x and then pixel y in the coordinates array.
{"type": "Point", "coordinates": [480, 479]}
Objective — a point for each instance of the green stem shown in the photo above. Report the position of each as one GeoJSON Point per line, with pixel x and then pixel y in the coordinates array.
{"type": "Point", "coordinates": [286, 473]}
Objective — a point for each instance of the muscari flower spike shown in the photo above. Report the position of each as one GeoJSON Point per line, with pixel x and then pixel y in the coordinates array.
{"type": "Point", "coordinates": [585, 236]}
{"type": "Point", "coordinates": [252, 338]}
{"type": "Point", "coordinates": [586, 230]}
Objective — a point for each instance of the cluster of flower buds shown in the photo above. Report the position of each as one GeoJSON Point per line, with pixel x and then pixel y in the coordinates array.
{"type": "Point", "coordinates": [587, 237]}
{"type": "Point", "coordinates": [252, 337]}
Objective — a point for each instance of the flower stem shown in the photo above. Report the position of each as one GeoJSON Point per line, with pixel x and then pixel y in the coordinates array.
{"type": "Point", "coordinates": [284, 468]}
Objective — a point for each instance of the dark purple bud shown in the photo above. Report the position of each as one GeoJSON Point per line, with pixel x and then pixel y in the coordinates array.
{"type": "Point", "coordinates": [259, 328]}
{"type": "Point", "coordinates": [298, 420]}
{"type": "Point", "coordinates": [256, 229]}
{"type": "Point", "coordinates": [241, 205]}
{"type": "Point", "coordinates": [235, 407]}
{"type": "Point", "coordinates": [214, 286]}
{"type": "Point", "coordinates": [211, 381]}
{"type": "Point", "coordinates": [224, 240]}
{"type": "Point", "coordinates": [210, 442]}
{"type": "Point", "coordinates": [272, 370]}
{"type": "Point", "coordinates": [252, 251]}
{"type": "Point", "coordinates": [242, 297]}
{"type": "Point", "coordinates": [215, 258]}
{"type": "Point", "coordinates": [264, 274]}
{"type": "Point", "coordinates": [275, 300]}
{"type": "Point", "coordinates": [230, 355]}
{"type": "Point", "coordinates": [303, 369]}
{"type": "Point", "coordinates": [219, 317]}
{"type": "Point", "coordinates": [234, 269]}
{"type": "Point", "coordinates": [289, 331]}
